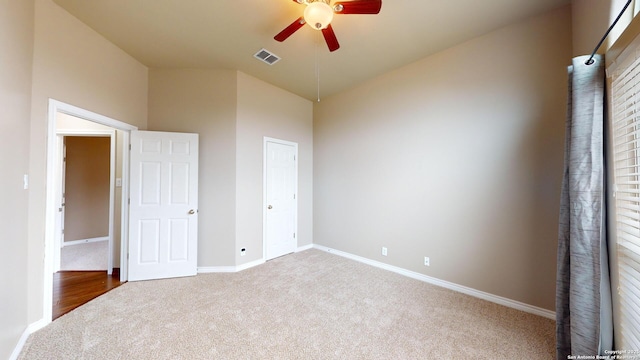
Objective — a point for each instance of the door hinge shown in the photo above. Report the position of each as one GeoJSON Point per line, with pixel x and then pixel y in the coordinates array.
{"type": "Point", "coordinates": [129, 201]}
{"type": "Point", "coordinates": [129, 146]}
{"type": "Point", "coordinates": [294, 196]}
{"type": "Point", "coordinates": [294, 235]}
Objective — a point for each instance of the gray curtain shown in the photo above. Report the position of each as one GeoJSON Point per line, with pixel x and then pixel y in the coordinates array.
{"type": "Point", "coordinates": [583, 290]}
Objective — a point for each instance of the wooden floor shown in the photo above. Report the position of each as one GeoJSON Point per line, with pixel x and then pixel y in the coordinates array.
{"type": "Point", "coordinates": [74, 288]}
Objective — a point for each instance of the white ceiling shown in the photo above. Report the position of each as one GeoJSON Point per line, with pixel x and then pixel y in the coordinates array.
{"type": "Point", "coordinates": [226, 34]}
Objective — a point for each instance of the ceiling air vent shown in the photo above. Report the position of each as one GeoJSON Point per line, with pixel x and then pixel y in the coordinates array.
{"type": "Point", "coordinates": [267, 56]}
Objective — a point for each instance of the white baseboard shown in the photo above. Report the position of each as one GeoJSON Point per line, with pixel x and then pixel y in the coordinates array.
{"type": "Point", "coordinates": [38, 325]}
{"type": "Point", "coordinates": [445, 284]}
{"type": "Point", "coordinates": [229, 269]}
{"type": "Point", "coordinates": [237, 268]}
{"type": "Point", "coordinates": [216, 269]}
{"type": "Point", "coordinates": [249, 265]}
{"type": "Point", "coordinates": [84, 241]}
{"type": "Point", "coordinates": [411, 274]}
{"type": "Point", "coordinates": [25, 335]}
{"type": "Point", "coordinates": [303, 248]}
{"type": "Point", "coordinates": [18, 349]}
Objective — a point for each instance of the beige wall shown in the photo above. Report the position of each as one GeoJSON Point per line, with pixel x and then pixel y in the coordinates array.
{"type": "Point", "coordinates": [232, 112]}
{"type": "Point", "coordinates": [204, 102]}
{"type": "Point", "coordinates": [265, 110]}
{"type": "Point", "coordinates": [457, 157]}
{"type": "Point", "coordinates": [87, 187]}
{"type": "Point", "coordinates": [400, 137]}
{"type": "Point", "coordinates": [16, 47]}
{"type": "Point", "coordinates": [73, 64]}
{"type": "Point", "coordinates": [591, 18]}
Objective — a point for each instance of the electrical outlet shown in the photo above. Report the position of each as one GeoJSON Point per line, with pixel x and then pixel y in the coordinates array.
{"type": "Point", "coordinates": [384, 251]}
{"type": "Point", "coordinates": [243, 252]}
{"type": "Point", "coordinates": [426, 261]}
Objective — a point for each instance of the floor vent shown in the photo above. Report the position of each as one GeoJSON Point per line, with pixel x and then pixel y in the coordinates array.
{"type": "Point", "coordinates": [267, 56]}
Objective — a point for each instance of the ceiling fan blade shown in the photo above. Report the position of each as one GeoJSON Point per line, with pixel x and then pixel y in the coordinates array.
{"type": "Point", "coordinates": [358, 7]}
{"type": "Point", "coordinates": [289, 30]}
{"type": "Point", "coordinates": [330, 38]}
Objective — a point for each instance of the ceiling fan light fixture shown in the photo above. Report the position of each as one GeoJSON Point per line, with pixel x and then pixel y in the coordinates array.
{"type": "Point", "coordinates": [318, 15]}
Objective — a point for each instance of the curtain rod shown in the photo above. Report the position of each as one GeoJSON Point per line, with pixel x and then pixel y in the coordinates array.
{"type": "Point", "coordinates": [590, 61]}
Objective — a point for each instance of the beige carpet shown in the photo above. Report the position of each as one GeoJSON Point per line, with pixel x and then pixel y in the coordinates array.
{"type": "Point", "coordinates": [87, 256]}
{"type": "Point", "coordinates": [309, 305]}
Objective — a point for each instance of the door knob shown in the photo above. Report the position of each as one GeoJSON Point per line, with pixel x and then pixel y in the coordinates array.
{"type": "Point", "coordinates": [191, 212]}
{"type": "Point", "coordinates": [269, 207]}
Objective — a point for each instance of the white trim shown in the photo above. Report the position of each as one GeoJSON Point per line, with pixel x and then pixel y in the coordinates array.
{"type": "Point", "coordinates": [25, 335]}
{"type": "Point", "coordinates": [445, 284]}
{"type": "Point", "coordinates": [112, 200]}
{"type": "Point", "coordinates": [84, 241]}
{"type": "Point", "coordinates": [303, 248]}
{"type": "Point", "coordinates": [68, 109]}
{"type": "Point", "coordinates": [266, 140]}
{"type": "Point", "coordinates": [241, 267]}
{"type": "Point", "coordinates": [60, 107]}
{"type": "Point", "coordinates": [249, 265]}
{"type": "Point", "coordinates": [59, 190]}
{"type": "Point", "coordinates": [229, 269]}
{"type": "Point", "coordinates": [33, 327]}
{"type": "Point", "coordinates": [216, 269]}
{"type": "Point", "coordinates": [124, 203]}
{"type": "Point", "coordinates": [88, 133]}
{"type": "Point", "coordinates": [18, 348]}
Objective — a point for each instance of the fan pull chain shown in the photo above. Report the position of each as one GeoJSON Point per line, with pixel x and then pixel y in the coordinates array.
{"type": "Point", "coordinates": [318, 65]}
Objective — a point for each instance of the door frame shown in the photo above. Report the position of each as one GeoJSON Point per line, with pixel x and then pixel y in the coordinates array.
{"type": "Point", "coordinates": [264, 189]}
{"type": "Point", "coordinates": [111, 134]}
{"type": "Point", "coordinates": [56, 107]}
{"type": "Point", "coordinates": [59, 190]}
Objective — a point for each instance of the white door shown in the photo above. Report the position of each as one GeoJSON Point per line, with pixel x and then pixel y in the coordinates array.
{"type": "Point", "coordinates": [281, 177]}
{"type": "Point", "coordinates": [163, 214]}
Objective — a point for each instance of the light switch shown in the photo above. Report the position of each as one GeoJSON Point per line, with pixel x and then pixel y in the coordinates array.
{"type": "Point", "coordinates": [25, 181]}
{"type": "Point", "coordinates": [118, 182]}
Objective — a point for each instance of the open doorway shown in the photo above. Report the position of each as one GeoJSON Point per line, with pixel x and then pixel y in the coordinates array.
{"type": "Point", "coordinates": [85, 230]}
{"type": "Point", "coordinates": [64, 120]}
{"type": "Point", "coordinates": [85, 200]}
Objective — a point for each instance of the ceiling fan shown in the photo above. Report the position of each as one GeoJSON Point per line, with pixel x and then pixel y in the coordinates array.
{"type": "Point", "coordinates": [319, 13]}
